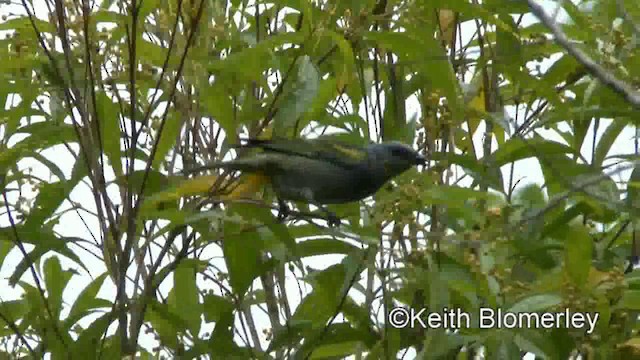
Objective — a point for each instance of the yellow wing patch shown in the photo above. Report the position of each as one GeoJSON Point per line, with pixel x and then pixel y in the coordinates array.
{"type": "Point", "coordinates": [243, 187]}
{"type": "Point", "coordinates": [246, 186]}
{"type": "Point", "coordinates": [354, 154]}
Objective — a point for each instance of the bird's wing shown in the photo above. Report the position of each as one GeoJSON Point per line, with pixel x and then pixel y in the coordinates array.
{"type": "Point", "coordinates": [326, 149]}
{"type": "Point", "coordinates": [255, 163]}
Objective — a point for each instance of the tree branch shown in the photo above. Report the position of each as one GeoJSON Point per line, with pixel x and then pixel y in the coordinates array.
{"type": "Point", "coordinates": [609, 79]}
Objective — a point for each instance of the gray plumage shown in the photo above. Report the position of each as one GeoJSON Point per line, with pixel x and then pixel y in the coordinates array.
{"type": "Point", "coordinates": [325, 171]}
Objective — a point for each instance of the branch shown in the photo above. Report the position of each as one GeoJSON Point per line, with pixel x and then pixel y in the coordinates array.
{"type": "Point", "coordinates": [609, 79]}
{"type": "Point", "coordinates": [18, 333]}
{"type": "Point", "coordinates": [32, 267]}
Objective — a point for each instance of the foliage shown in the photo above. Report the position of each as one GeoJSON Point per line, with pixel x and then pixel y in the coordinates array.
{"type": "Point", "coordinates": [116, 252]}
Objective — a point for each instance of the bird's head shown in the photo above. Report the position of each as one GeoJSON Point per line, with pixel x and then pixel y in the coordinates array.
{"type": "Point", "coordinates": [397, 157]}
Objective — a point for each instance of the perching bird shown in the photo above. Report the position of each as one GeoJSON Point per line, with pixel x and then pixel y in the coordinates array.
{"type": "Point", "coordinates": [323, 171]}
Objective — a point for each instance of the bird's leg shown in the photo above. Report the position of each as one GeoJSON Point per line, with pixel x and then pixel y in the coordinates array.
{"type": "Point", "coordinates": [332, 219]}
{"type": "Point", "coordinates": [283, 210]}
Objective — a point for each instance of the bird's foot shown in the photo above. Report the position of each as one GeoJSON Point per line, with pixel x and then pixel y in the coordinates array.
{"type": "Point", "coordinates": [283, 211]}
{"type": "Point", "coordinates": [332, 219]}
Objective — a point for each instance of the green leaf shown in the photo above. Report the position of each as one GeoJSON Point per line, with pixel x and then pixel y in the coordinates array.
{"type": "Point", "coordinates": [561, 69]}
{"type": "Point", "coordinates": [409, 46]}
{"type": "Point", "coordinates": [155, 181]}
{"type": "Point", "coordinates": [324, 246]}
{"type": "Point", "coordinates": [169, 132]}
{"type": "Point", "coordinates": [604, 309]}
{"type": "Point", "coordinates": [42, 135]}
{"type": "Point", "coordinates": [578, 254]}
{"type": "Point", "coordinates": [289, 335]}
{"type": "Point", "coordinates": [242, 251]}
{"type": "Point", "coordinates": [89, 344]}
{"type": "Point", "coordinates": [249, 63]}
{"type": "Point", "coordinates": [518, 149]}
{"type": "Point", "coordinates": [536, 342]}
{"type": "Point", "coordinates": [5, 247]}
{"type": "Point", "coordinates": [330, 286]}
{"type": "Point", "coordinates": [24, 23]}
{"type": "Point", "coordinates": [51, 196]}
{"type": "Point", "coordinates": [216, 308]}
{"type": "Point", "coordinates": [346, 63]}
{"type": "Point", "coordinates": [166, 322]}
{"type": "Point", "coordinates": [44, 241]}
{"type": "Point", "coordinates": [452, 195]}
{"type": "Point", "coordinates": [14, 310]}
{"type": "Point", "coordinates": [221, 343]}
{"type": "Point", "coordinates": [56, 280]}
{"type": "Point", "coordinates": [633, 189]}
{"type": "Point", "coordinates": [460, 284]}
{"type": "Point", "coordinates": [87, 300]}
{"type": "Point", "coordinates": [218, 103]}
{"type": "Point", "coordinates": [151, 52]}
{"type": "Point", "coordinates": [184, 298]}
{"type": "Point", "coordinates": [477, 169]}
{"type": "Point", "coordinates": [530, 196]}
{"type": "Point", "coordinates": [51, 165]}
{"type": "Point", "coordinates": [339, 349]}
{"type": "Point", "coordinates": [536, 303]}
{"type": "Point", "coordinates": [630, 300]}
{"type": "Point", "coordinates": [317, 307]}
{"type": "Point", "coordinates": [607, 140]}
{"type": "Point", "coordinates": [508, 51]}
{"type": "Point", "coordinates": [358, 317]}
{"type": "Point", "coordinates": [438, 289]}
{"type": "Point", "coordinates": [110, 130]}
{"type": "Point", "coordinates": [298, 99]}
{"type": "Point", "coordinates": [560, 174]}
{"type": "Point", "coordinates": [438, 344]}
{"type": "Point", "coordinates": [43, 318]}
{"type": "Point", "coordinates": [601, 198]}
{"type": "Point", "coordinates": [501, 345]}
{"type": "Point", "coordinates": [339, 340]}
{"type": "Point", "coordinates": [580, 126]}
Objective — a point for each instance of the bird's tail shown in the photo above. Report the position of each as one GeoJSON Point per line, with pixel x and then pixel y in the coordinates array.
{"type": "Point", "coordinates": [252, 164]}
{"type": "Point", "coordinates": [256, 142]}
{"type": "Point", "coordinates": [296, 147]}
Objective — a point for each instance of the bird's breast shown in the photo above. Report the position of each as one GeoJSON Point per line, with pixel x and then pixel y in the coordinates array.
{"type": "Point", "coordinates": [325, 183]}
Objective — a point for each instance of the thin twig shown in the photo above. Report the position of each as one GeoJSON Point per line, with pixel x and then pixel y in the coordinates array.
{"type": "Point", "coordinates": [34, 273]}
{"type": "Point", "coordinates": [609, 79]}
{"type": "Point", "coordinates": [578, 187]}
{"type": "Point", "coordinates": [19, 334]}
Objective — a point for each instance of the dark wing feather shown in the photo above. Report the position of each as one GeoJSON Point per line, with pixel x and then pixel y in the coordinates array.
{"type": "Point", "coordinates": [336, 152]}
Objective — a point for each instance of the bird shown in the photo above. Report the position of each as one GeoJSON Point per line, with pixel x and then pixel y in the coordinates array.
{"type": "Point", "coordinates": [323, 170]}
